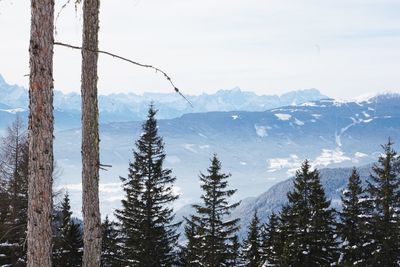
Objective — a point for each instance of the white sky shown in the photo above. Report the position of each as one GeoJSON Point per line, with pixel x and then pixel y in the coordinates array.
{"type": "Point", "coordinates": [342, 47]}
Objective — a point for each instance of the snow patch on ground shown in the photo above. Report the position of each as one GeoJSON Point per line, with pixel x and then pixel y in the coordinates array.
{"type": "Point", "coordinates": [261, 131]}
{"type": "Point", "coordinates": [283, 116]}
{"type": "Point", "coordinates": [291, 163]}
{"type": "Point", "coordinates": [309, 104]}
{"type": "Point", "coordinates": [366, 114]}
{"type": "Point", "coordinates": [317, 116]}
{"type": "Point", "coordinates": [298, 122]}
{"type": "Point", "coordinates": [329, 156]}
{"type": "Point", "coordinates": [338, 136]}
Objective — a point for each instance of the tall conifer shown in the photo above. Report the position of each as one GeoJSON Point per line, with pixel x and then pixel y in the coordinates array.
{"type": "Point", "coordinates": [271, 244]}
{"type": "Point", "coordinates": [150, 238]}
{"type": "Point", "coordinates": [192, 254]}
{"type": "Point", "coordinates": [111, 255]}
{"type": "Point", "coordinates": [384, 194]}
{"type": "Point", "coordinates": [68, 244]}
{"type": "Point", "coordinates": [252, 244]}
{"type": "Point", "coordinates": [310, 239]}
{"type": "Point", "coordinates": [354, 228]}
{"type": "Point", "coordinates": [215, 232]}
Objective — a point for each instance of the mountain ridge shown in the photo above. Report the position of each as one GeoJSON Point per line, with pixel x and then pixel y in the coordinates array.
{"type": "Point", "coordinates": [131, 106]}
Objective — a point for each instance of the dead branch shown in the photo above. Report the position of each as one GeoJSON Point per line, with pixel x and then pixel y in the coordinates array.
{"type": "Point", "coordinates": [104, 167]}
{"type": "Point", "coordinates": [132, 62]}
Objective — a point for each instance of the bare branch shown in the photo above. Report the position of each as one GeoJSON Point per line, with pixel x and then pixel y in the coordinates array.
{"type": "Point", "coordinates": [104, 167]}
{"type": "Point", "coordinates": [77, 2]}
{"type": "Point", "coordinates": [132, 62]}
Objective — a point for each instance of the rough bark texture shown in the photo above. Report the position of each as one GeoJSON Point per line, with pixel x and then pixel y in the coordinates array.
{"type": "Point", "coordinates": [90, 136]}
{"type": "Point", "coordinates": [40, 133]}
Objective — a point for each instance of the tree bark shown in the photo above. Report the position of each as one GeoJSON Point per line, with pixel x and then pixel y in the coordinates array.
{"type": "Point", "coordinates": [90, 136]}
{"type": "Point", "coordinates": [40, 132]}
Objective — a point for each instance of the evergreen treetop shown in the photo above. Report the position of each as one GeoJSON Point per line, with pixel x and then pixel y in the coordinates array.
{"type": "Point", "coordinates": [68, 244]}
{"type": "Point", "coordinates": [384, 195]}
{"type": "Point", "coordinates": [353, 228]}
{"type": "Point", "coordinates": [252, 244]}
{"type": "Point", "coordinates": [310, 224]}
{"type": "Point", "coordinates": [215, 231]}
{"type": "Point", "coordinates": [150, 237]}
{"type": "Point", "coordinates": [111, 255]}
{"type": "Point", "coordinates": [271, 241]}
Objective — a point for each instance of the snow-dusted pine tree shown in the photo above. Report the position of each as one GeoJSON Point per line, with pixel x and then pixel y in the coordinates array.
{"type": "Point", "coordinates": [191, 255]}
{"type": "Point", "coordinates": [354, 229]}
{"type": "Point", "coordinates": [68, 244]}
{"type": "Point", "coordinates": [251, 251]}
{"type": "Point", "coordinates": [215, 233]}
{"type": "Point", "coordinates": [271, 244]}
{"type": "Point", "coordinates": [235, 252]}
{"type": "Point", "coordinates": [149, 236]}
{"type": "Point", "coordinates": [111, 255]}
{"type": "Point", "coordinates": [384, 194]}
{"type": "Point", "coordinates": [310, 233]}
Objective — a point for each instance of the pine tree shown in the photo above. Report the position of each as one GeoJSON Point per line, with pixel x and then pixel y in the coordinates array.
{"type": "Point", "coordinates": [14, 195]}
{"type": "Point", "coordinates": [271, 244]}
{"type": "Point", "coordinates": [384, 194]}
{"type": "Point", "coordinates": [215, 233]}
{"type": "Point", "coordinates": [252, 244]}
{"type": "Point", "coordinates": [310, 239]}
{"type": "Point", "coordinates": [353, 227]}
{"type": "Point", "coordinates": [235, 252]}
{"type": "Point", "coordinates": [323, 248]}
{"type": "Point", "coordinates": [286, 246]}
{"type": "Point", "coordinates": [68, 242]}
{"type": "Point", "coordinates": [150, 237]}
{"type": "Point", "coordinates": [111, 251]}
{"type": "Point", "coordinates": [192, 251]}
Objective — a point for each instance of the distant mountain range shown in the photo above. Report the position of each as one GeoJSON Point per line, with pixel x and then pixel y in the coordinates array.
{"type": "Point", "coordinates": [130, 107]}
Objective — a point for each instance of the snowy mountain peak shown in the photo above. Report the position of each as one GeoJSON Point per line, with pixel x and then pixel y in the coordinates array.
{"type": "Point", "coordinates": [372, 96]}
{"type": "Point", "coordinates": [127, 107]}
{"type": "Point", "coordinates": [2, 81]}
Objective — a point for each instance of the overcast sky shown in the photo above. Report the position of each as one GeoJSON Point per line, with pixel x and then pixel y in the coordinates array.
{"type": "Point", "coordinates": [344, 48]}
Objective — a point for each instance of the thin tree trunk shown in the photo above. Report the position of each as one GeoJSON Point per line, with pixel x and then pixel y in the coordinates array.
{"type": "Point", "coordinates": [40, 133]}
{"type": "Point", "coordinates": [90, 136]}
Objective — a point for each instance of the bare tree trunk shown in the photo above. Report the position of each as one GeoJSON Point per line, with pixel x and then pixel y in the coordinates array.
{"type": "Point", "coordinates": [40, 131]}
{"type": "Point", "coordinates": [90, 136]}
